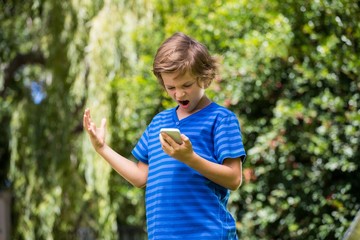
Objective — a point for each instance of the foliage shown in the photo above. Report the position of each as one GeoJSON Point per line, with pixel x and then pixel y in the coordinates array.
{"type": "Point", "coordinates": [290, 71]}
{"type": "Point", "coordinates": [298, 100]}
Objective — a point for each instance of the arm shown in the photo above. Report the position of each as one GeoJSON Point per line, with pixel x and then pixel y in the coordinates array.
{"type": "Point", "coordinates": [228, 174]}
{"type": "Point", "coordinates": [135, 173]}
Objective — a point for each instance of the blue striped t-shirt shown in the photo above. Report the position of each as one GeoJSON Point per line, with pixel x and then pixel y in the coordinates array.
{"type": "Point", "coordinates": [180, 202]}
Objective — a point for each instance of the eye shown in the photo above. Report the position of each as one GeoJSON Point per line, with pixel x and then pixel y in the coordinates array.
{"type": "Point", "coordinates": [170, 88]}
{"type": "Point", "coordinates": [188, 85]}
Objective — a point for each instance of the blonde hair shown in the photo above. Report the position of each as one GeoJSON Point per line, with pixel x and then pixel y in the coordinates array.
{"type": "Point", "coordinates": [182, 54]}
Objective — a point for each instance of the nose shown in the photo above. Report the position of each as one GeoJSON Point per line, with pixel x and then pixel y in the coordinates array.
{"type": "Point", "coordinates": [179, 93]}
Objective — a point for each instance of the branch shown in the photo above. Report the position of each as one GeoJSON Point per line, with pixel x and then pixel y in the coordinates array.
{"type": "Point", "coordinates": [19, 61]}
{"type": "Point", "coordinates": [80, 107]}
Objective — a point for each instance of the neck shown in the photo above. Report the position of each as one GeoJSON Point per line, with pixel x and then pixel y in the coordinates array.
{"type": "Point", "coordinates": [204, 101]}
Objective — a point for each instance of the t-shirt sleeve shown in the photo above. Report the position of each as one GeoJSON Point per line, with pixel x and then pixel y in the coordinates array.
{"type": "Point", "coordinates": [140, 151]}
{"type": "Point", "coordinates": [228, 139]}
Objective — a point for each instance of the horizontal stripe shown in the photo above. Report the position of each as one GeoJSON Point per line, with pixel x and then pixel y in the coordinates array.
{"type": "Point", "coordinates": [181, 203]}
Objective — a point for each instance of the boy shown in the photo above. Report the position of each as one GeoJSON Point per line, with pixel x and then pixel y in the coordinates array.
{"type": "Point", "coordinates": [187, 184]}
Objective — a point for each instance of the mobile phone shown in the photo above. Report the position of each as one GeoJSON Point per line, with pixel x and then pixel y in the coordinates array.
{"type": "Point", "coordinates": [174, 133]}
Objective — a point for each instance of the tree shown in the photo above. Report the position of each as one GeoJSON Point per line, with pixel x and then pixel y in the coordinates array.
{"type": "Point", "coordinates": [291, 74]}
{"type": "Point", "coordinates": [290, 71]}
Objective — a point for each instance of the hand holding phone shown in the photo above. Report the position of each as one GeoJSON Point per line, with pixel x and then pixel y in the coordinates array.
{"type": "Point", "coordinates": [174, 133]}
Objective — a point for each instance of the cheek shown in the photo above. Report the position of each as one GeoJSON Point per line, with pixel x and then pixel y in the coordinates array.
{"type": "Point", "coordinates": [193, 92]}
{"type": "Point", "coordinates": [171, 93]}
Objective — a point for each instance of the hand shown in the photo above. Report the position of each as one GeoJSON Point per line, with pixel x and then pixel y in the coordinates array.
{"type": "Point", "coordinates": [97, 135]}
{"type": "Point", "coordinates": [182, 152]}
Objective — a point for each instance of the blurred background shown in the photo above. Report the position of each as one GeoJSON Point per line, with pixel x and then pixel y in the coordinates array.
{"type": "Point", "coordinates": [290, 71]}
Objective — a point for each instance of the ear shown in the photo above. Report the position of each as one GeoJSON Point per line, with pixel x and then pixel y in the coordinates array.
{"type": "Point", "coordinates": [203, 83]}
{"type": "Point", "coordinates": [207, 83]}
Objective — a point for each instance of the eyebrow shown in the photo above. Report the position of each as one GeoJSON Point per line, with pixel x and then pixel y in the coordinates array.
{"type": "Point", "coordinates": [186, 83]}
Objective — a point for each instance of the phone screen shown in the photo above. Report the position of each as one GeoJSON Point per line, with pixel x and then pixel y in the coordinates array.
{"type": "Point", "coordinates": [174, 133]}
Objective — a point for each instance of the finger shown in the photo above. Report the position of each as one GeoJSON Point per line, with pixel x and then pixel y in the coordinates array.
{"type": "Point", "coordinates": [87, 113]}
{"type": "Point", "coordinates": [162, 140]}
{"type": "Point", "coordinates": [86, 121]}
{"type": "Point", "coordinates": [92, 128]}
{"type": "Point", "coordinates": [164, 144]}
{"type": "Point", "coordinates": [88, 124]}
{"type": "Point", "coordinates": [184, 137]}
{"type": "Point", "coordinates": [168, 139]}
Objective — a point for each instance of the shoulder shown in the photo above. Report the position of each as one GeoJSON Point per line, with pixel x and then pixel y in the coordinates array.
{"type": "Point", "coordinates": [162, 117]}
{"type": "Point", "coordinates": [223, 117]}
{"type": "Point", "coordinates": [164, 114]}
{"type": "Point", "coordinates": [221, 112]}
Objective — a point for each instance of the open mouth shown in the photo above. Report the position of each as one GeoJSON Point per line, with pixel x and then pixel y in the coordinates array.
{"type": "Point", "coordinates": [184, 103]}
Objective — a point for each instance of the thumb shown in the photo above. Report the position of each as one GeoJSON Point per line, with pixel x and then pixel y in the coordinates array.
{"type": "Point", "coordinates": [103, 123]}
{"type": "Point", "coordinates": [185, 139]}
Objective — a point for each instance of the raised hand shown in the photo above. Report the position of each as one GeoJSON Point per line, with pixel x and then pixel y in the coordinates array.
{"type": "Point", "coordinates": [97, 135]}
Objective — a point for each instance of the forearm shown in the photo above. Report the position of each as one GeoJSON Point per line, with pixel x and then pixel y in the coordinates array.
{"type": "Point", "coordinates": [227, 176]}
{"type": "Point", "coordinates": [128, 169]}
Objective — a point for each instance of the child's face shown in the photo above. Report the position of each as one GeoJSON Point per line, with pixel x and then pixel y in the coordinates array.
{"type": "Point", "coordinates": [185, 90]}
